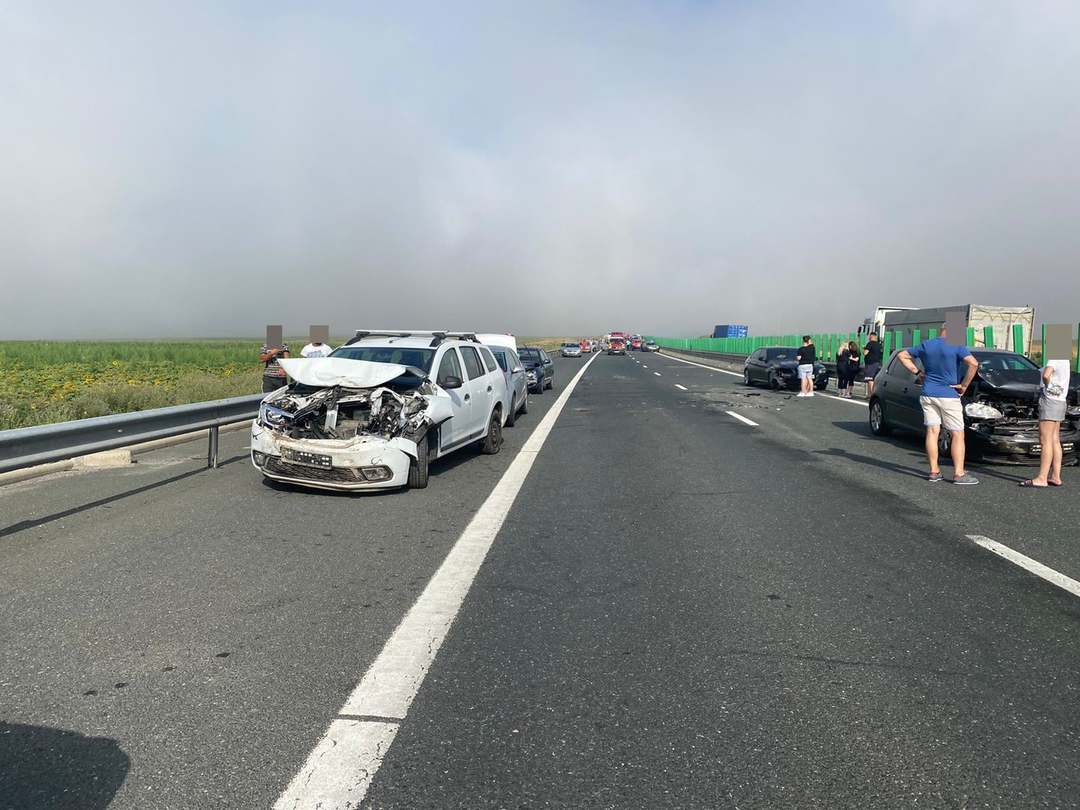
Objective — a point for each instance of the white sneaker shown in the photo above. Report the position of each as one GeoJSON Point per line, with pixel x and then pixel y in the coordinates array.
{"type": "Point", "coordinates": [800, 394]}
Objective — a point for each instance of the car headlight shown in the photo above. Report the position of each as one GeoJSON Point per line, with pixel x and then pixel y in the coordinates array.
{"type": "Point", "coordinates": [980, 410]}
{"type": "Point", "coordinates": [272, 417]}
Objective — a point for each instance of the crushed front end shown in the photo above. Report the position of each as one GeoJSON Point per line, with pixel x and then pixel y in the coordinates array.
{"type": "Point", "coordinates": [1006, 429]}
{"type": "Point", "coordinates": [342, 436]}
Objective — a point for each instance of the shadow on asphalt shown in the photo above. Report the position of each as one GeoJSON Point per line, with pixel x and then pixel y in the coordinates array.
{"type": "Point", "coordinates": [50, 768]}
{"type": "Point", "coordinates": [858, 458]}
{"type": "Point", "coordinates": [23, 525]}
{"type": "Point", "coordinates": [912, 443]}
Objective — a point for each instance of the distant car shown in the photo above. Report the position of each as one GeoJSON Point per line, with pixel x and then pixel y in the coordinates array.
{"type": "Point", "coordinates": [517, 386]}
{"type": "Point", "coordinates": [635, 344]}
{"type": "Point", "coordinates": [570, 350]}
{"type": "Point", "coordinates": [1001, 408]}
{"type": "Point", "coordinates": [777, 367]}
{"type": "Point", "coordinates": [616, 347]}
{"type": "Point", "coordinates": [650, 346]}
{"type": "Point", "coordinates": [586, 346]}
{"type": "Point", "coordinates": [539, 368]}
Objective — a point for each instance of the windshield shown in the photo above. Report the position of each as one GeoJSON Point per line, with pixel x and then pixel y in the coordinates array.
{"type": "Point", "coordinates": [1004, 362]}
{"type": "Point", "coordinates": [500, 358]}
{"type": "Point", "coordinates": [571, 346]}
{"type": "Point", "coordinates": [420, 358]}
{"type": "Point", "coordinates": [529, 354]}
{"type": "Point", "coordinates": [780, 354]}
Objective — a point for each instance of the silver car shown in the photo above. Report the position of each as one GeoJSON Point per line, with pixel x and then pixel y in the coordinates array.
{"type": "Point", "coordinates": [570, 350]}
{"type": "Point", "coordinates": [517, 387]}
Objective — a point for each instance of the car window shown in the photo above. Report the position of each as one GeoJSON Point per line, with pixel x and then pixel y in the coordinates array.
{"type": "Point", "coordinates": [472, 362]}
{"type": "Point", "coordinates": [1005, 362]}
{"type": "Point", "coordinates": [544, 356]}
{"type": "Point", "coordinates": [500, 358]}
{"type": "Point", "coordinates": [532, 354]}
{"type": "Point", "coordinates": [420, 358]}
{"type": "Point", "coordinates": [489, 361]}
{"type": "Point", "coordinates": [449, 366]}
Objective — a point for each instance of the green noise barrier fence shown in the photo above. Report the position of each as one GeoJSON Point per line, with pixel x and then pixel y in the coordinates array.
{"type": "Point", "coordinates": [829, 343]}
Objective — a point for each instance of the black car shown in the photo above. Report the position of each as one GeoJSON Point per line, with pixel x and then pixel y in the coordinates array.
{"type": "Point", "coordinates": [539, 368]}
{"type": "Point", "coordinates": [777, 367]}
{"type": "Point", "coordinates": [1001, 407]}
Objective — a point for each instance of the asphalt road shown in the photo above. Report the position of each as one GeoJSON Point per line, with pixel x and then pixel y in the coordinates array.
{"type": "Point", "coordinates": [680, 610]}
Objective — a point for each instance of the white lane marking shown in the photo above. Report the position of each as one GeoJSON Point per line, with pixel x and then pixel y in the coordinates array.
{"type": "Point", "coordinates": [340, 769]}
{"type": "Point", "coordinates": [644, 366]}
{"type": "Point", "coordinates": [657, 373]}
{"type": "Point", "coordinates": [702, 365]}
{"type": "Point", "coordinates": [842, 399]}
{"type": "Point", "coordinates": [741, 418]}
{"type": "Point", "coordinates": [1033, 566]}
{"type": "Point", "coordinates": [683, 387]}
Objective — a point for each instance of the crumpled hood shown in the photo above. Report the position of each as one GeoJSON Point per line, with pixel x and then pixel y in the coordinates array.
{"type": "Point", "coordinates": [326, 372]}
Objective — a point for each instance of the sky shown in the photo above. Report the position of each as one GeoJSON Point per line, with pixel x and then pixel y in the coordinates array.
{"type": "Point", "coordinates": [554, 168]}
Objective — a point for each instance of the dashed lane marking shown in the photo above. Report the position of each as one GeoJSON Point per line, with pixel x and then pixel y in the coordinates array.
{"type": "Point", "coordinates": [341, 767]}
{"type": "Point", "coordinates": [683, 387]}
{"type": "Point", "coordinates": [658, 374]}
{"type": "Point", "coordinates": [1032, 566]}
{"type": "Point", "coordinates": [741, 418]}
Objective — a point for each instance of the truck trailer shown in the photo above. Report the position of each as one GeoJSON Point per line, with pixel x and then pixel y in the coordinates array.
{"type": "Point", "coordinates": [974, 316]}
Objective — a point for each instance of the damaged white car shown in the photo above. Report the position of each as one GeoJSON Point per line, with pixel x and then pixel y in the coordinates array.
{"type": "Point", "coordinates": [373, 414]}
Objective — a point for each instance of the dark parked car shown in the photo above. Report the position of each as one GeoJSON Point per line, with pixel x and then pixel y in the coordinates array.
{"type": "Point", "coordinates": [539, 368]}
{"type": "Point", "coordinates": [1001, 407]}
{"type": "Point", "coordinates": [776, 367]}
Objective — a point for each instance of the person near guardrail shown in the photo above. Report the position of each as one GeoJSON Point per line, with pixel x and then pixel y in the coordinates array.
{"type": "Point", "coordinates": [316, 349]}
{"type": "Point", "coordinates": [847, 368]}
{"type": "Point", "coordinates": [941, 401]}
{"type": "Point", "coordinates": [273, 374]}
{"type": "Point", "coordinates": [1053, 404]}
{"type": "Point", "coordinates": [806, 356]}
{"type": "Point", "coordinates": [872, 354]}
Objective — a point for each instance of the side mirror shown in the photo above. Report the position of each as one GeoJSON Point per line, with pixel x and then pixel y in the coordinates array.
{"type": "Point", "coordinates": [450, 382]}
{"type": "Point", "coordinates": [516, 370]}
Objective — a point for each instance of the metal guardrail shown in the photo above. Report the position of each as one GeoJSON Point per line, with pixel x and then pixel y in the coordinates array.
{"type": "Point", "coordinates": [28, 447]}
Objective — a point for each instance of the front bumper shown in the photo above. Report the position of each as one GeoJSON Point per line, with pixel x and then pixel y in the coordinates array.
{"type": "Point", "coordinates": [821, 380]}
{"type": "Point", "coordinates": [1018, 446]}
{"type": "Point", "coordinates": [346, 459]}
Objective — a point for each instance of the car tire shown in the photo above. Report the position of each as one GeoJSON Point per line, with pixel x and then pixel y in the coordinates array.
{"type": "Point", "coordinates": [418, 467]}
{"type": "Point", "coordinates": [525, 403]}
{"type": "Point", "coordinates": [492, 441]}
{"type": "Point", "coordinates": [511, 415]}
{"type": "Point", "coordinates": [550, 383]}
{"type": "Point", "coordinates": [539, 390]}
{"type": "Point", "coordinates": [774, 382]}
{"type": "Point", "coordinates": [821, 386]}
{"type": "Point", "coordinates": [944, 443]}
{"type": "Point", "coordinates": [879, 424]}
{"type": "Point", "coordinates": [746, 377]}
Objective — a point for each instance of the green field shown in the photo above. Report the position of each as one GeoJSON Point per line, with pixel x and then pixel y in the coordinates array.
{"type": "Point", "coordinates": [56, 381]}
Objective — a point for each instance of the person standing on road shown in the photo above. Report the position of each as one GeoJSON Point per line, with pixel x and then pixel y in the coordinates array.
{"type": "Point", "coordinates": [1053, 403]}
{"type": "Point", "coordinates": [941, 398]}
{"type": "Point", "coordinates": [872, 353]}
{"type": "Point", "coordinates": [847, 368]}
{"type": "Point", "coordinates": [806, 357]}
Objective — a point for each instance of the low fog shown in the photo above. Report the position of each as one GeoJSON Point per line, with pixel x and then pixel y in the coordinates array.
{"type": "Point", "coordinates": [183, 169]}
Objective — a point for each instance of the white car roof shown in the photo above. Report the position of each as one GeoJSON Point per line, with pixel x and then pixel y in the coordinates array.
{"type": "Point", "coordinates": [493, 339]}
{"type": "Point", "coordinates": [410, 342]}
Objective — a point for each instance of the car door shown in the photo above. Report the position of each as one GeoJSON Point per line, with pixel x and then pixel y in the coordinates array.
{"type": "Point", "coordinates": [549, 366]}
{"type": "Point", "coordinates": [481, 389]}
{"type": "Point", "coordinates": [500, 387]}
{"type": "Point", "coordinates": [755, 366]}
{"type": "Point", "coordinates": [453, 432]}
{"type": "Point", "coordinates": [901, 391]}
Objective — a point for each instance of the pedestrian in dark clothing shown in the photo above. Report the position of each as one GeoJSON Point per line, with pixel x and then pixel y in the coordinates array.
{"type": "Point", "coordinates": [847, 368]}
{"type": "Point", "coordinates": [806, 357]}
{"type": "Point", "coordinates": [872, 353]}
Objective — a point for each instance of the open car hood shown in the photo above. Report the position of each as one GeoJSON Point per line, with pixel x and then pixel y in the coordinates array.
{"type": "Point", "coordinates": [326, 372]}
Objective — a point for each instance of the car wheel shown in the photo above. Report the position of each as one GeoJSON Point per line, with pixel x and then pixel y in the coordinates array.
{"type": "Point", "coordinates": [879, 426]}
{"type": "Point", "coordinates": [821, 386]}
{"type": "Point", "coordinates": [539, 390]}
{"type": "Point", "coordinates": [418, 467]}
{"type": "Point", "coordinates": [492, 441]}
{"type": "Point", "coordinates": [525, 403]}
{"type": "Point", "coordinates": [746, 377]}
{"type": "Point", "coordinates": [511, 415]}
{"type": "Point", "coordinates": [944, 442]}
{"type": "Point", "coordinates": [774, 382]}
{"type": "Point", "coordinates": [551, 383]}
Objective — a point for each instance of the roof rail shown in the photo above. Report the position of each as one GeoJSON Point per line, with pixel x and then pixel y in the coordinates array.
{"type": "Point", "coordinates": [437, 337]}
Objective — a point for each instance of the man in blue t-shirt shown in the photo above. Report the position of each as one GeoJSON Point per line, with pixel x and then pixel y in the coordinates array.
{"type": "Point", "coordinates": [941, 398]}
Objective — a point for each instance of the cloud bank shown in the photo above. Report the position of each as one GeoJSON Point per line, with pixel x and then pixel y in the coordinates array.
{"type": "Point", "coordinates": [550, 168]}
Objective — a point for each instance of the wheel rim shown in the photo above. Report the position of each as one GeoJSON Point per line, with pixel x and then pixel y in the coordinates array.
{"type": "Point", "coordinates": [746, 377]}
{"type": "Point", "coordinates": [875, 416]}
{"type": "Point", "coordinates": [495, 431]}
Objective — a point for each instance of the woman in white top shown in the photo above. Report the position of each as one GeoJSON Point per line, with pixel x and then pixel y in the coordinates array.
{"type": "Point", "coordinates": [1053, 403]}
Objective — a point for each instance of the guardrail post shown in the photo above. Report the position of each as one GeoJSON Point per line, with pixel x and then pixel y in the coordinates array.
{"type": "Point", "coordinates": [212, 449]}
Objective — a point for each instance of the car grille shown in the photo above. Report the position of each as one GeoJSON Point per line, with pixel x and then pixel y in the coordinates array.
{"type": "Point", "coordinates": [340, 475]}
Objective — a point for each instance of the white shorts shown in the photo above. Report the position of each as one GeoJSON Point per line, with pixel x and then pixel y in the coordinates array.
{"type": "Point", "coordinates": [806, 372]}
{"type": "Point", "coordinates": [947, 411]}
